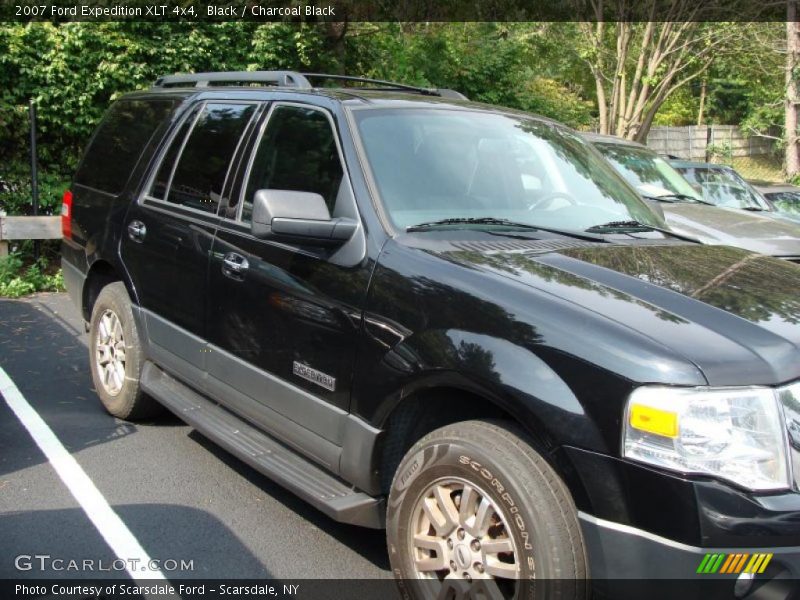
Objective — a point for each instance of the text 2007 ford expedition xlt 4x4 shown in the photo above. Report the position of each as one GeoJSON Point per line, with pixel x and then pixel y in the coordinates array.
{"type": "Point", "coordinates": [449, 319]}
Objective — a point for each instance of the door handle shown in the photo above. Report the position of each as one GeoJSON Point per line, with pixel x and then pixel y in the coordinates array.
{"type": "Point", "coordinates": [234, 265]}
{"type": "Point", "coordinates": [136, 231]}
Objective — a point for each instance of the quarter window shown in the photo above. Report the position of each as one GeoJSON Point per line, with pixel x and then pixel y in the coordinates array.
{"type": "Point", "coordinates": [119, 142]}
{"type": "Point", "coordinates": [297, 152]}
{"type": "Point", "coordinates": [199, 176]}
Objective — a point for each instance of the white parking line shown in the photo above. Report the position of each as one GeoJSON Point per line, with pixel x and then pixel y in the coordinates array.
{"type": "Point", "coordinates": [122, 542]}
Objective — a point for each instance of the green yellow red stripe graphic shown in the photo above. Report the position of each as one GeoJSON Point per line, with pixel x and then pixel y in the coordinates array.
{"type": "Point", "coordinates": [734, 563]}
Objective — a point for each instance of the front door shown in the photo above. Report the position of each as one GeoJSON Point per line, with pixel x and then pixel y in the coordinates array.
{"type": "Point", "coordinates": [284, 317]}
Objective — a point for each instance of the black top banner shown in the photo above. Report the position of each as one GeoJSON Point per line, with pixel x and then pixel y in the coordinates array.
{"type": "Point", "coordinates": [393, 10]}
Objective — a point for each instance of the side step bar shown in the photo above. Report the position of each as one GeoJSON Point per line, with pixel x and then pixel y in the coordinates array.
{"type": "Point", "coordinates": [286, 467]}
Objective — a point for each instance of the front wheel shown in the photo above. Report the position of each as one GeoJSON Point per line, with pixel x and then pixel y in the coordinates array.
{"type": "Point", "coordinates": [475, 511]}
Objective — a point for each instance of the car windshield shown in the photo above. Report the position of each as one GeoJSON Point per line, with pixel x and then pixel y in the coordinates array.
{"type": "Point", "coordinates": [786, 202]}
{"type": "Point", "coordinates": [434, 164]}
{"type": "Point", "coordinates": [650, 174]}
{"type": "Point", "coordinates": [724, 187]}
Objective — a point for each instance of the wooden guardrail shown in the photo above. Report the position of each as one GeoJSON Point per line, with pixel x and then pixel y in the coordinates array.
{"type": "Point", "coordinates": [28, 228]}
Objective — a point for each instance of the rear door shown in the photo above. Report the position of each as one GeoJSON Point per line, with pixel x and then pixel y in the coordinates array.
{"type": "Point", "coordinates": [168, 233]}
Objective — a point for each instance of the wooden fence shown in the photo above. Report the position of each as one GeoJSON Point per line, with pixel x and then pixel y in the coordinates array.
{"type": "Point", "coordinates": [28, 228]}
{"type": "Point", "coordinates": [697, 143]}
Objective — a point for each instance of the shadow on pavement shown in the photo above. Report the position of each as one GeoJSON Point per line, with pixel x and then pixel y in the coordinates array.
{"type": "Point", "coordinates": [47, 360]}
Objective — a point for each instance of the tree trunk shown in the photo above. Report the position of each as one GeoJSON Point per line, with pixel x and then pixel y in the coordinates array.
{"type": "Point", "coordinates": [792, 49]}
{"type": "Point", "coordinates": [336, 32]}
{"type": "Point", "coordinates": [640, 133]}
{"type": "Point", "coordinates": [702, 103]}
{"type": "Point", "coordinates": [602, 107]}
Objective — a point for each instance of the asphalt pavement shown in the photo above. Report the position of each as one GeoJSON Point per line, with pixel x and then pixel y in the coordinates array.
{"type": "Point", "coordinates": [182, 497]}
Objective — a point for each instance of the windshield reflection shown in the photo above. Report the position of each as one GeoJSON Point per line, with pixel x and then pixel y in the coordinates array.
{"type": "Point", "coordinates": [648, 172]}
{"type": "Point", "coordinates": [724, 187]}
{"type": "Point", "coordinates": [434, 164]}
{"type": "Point", "coordinates": [786, 202]}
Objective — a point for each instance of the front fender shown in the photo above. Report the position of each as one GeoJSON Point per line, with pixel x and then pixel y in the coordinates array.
{"type": "Point", "coordinates": [551, 364]}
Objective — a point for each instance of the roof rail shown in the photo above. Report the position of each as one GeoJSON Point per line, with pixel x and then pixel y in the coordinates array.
{"type": "Point", "coordinates": [392, 85]}
{"type": "Point", "coordinates": [291, 79]}
{"type": "Point", "coordinates": [279, 78]}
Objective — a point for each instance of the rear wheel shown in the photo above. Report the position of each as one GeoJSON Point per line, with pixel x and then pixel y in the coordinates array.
{"type": "Point", "coordinates": [475, 511]}
{"type": "Point", "coordinates": [116, 357]}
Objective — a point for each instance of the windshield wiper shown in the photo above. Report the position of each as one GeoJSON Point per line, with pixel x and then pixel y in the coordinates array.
{"type": "Point", "coordinates": [465, 221]}
{"type": "Point", "coordinates": [691, 198]}
{"type": "Point", "coordinates": [674, 197]}
{"type": "Point", "coordinates": [634, 226]}
{"type": "Point", "coordinates": [754, 208]}
{"type": "Point", "coordinates": [504, 222]}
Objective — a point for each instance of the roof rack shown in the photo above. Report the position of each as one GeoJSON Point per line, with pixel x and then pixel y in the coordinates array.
{"type": "Point", "coordinates": [391, 85]}
{"type": "Point", "coordinates": [292, 79]}
{"type": "Point", "coordinates": [279, 78]}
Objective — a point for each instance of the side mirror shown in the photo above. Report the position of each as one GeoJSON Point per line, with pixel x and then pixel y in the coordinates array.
{"type": "Point", "coordinates": [298, 216]}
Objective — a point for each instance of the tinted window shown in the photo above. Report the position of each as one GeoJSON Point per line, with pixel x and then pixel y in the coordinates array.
{"type": "Point", "coordinates": [297, 152]}
{"type": "Point", "coordinates": [200, 174]}
{"type": "Point", "coordinates": [161, 182]}
{"type": "Point", "coordinates": [118, 143]}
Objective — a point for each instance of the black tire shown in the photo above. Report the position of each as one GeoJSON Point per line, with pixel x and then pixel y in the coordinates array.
{"type": "Point", "coordinates": [129, 402]}
{"type": "Point", "coordinates": [495, 457]}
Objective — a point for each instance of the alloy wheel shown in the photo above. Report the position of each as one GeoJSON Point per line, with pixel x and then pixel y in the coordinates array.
{"type": "Point", "coordinates": [110, 352]}
{"type": "Point", "coordinates": [459, 535]}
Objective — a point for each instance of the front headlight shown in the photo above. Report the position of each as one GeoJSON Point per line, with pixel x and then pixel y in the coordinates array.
{"type": "Point", "coordinates": [735, 434]}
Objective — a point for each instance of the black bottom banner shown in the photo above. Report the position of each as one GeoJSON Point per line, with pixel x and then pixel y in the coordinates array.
{"type": "Point", "coordinates": [389, 589]}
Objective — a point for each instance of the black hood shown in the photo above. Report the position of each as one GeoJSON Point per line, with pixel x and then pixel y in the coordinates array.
{"type": "Point", "coordinates": [734, 314]}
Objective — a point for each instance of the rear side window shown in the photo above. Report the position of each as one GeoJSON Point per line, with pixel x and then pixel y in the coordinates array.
{"type": "Point", "coordinates": [203, 157]}
{"type": "Point", "coordinates": [161, 182]}
{"type": "Point", "coordinates": [298, 152]}
{"type": "Point", "coordinates": [119, 142]}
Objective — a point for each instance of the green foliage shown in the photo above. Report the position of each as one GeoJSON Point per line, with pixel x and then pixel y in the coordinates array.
{"type": "Point", "coordinates": [74, 70]}
{"type": "Point", "coordinates": [679, 109]}
{"type": "Point", "coordinates": [488, 62]}
{"type": "Point", "coordinates": [553, 99]}
{"type": "Point", "coordinates": [481, 60]}
{"type": "Point", "coordinates": [15, 195]}
{"type": "Point", "coordinates": [721, 152]}
{"type": "Point", "coordinates": [762, 119]}
{"type": "Point", "coordinates": [17, 280]}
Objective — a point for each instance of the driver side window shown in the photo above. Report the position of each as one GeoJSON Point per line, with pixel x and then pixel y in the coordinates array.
{"type": "Point", "coordinates": [297, 152]}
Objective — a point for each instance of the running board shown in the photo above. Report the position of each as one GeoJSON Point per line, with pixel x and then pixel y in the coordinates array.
{"type": "Point", "coordinates": [266, 455]}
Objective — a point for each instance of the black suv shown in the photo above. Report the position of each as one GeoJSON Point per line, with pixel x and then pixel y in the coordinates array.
{"type": "Point", "coordinates": [448, 319]}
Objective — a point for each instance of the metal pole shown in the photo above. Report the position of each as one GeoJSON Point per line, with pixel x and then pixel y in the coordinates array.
{"type": "Point", "coordinates": [34, 175]}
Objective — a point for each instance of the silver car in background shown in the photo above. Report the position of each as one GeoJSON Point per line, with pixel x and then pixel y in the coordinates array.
{"type": "Point", "coordinates": [685, 210]}
{"type": "Point", "coordinates": [783, 197]}
{"type": "Point", "coordinates": [723, 186]}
